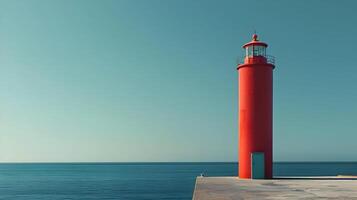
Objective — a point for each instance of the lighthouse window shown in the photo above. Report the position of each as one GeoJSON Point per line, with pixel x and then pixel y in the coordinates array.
{"type": "Point", "coordinates": [249, 51]}
{"type": "Point", "coordinates": [258, 51]}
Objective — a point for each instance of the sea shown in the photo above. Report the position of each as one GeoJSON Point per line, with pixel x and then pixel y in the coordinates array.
{"type": "Point", "coordinates": [132, 181]}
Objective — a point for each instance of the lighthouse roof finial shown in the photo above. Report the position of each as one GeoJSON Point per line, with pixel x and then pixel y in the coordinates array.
{"type": "Point", "coordinates": [255, 37]}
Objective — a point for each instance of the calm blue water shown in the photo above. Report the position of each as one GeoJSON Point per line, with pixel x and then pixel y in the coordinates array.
{"type": "Point", "coordinates": [130, 181]}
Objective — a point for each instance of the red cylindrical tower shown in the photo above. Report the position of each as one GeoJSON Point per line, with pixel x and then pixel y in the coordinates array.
{"type": "Point", "coordinates": [255, 108]}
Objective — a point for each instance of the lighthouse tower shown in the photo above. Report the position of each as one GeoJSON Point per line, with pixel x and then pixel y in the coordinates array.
{"type": "Point", "coordinates": [255, 111]}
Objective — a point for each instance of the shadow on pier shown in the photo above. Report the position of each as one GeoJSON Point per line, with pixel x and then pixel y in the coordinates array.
{"type": "Point", "coordinates": [335, 178]}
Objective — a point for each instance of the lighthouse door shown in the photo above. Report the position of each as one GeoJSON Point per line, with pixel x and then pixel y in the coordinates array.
{"type": "Point", "coordinates": [257, 165]}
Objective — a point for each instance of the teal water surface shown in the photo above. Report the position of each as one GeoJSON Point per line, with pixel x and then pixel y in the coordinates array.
{"type": "Point", "coordinates": [132, 181]}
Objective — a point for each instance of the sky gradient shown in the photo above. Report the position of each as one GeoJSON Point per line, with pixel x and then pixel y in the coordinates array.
{"type": "Point", "coordinates": [157, 81]}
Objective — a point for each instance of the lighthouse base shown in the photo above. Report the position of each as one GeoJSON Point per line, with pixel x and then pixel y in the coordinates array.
{"type": "Point", "coordinates": [213, 188]}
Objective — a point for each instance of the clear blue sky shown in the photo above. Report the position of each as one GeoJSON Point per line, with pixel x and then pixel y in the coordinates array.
{"type": "Point", "coordinates": [156, 80]}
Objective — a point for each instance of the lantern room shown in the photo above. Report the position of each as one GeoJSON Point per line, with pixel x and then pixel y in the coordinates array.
{"type": "Point", "coordinates": [255, 52]}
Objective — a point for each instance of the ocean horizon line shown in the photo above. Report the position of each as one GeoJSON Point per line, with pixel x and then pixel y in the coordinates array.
{"type": "Point", "coordinates": [164, 162]}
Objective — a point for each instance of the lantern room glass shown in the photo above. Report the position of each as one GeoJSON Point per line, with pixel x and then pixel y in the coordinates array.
{"type": "Point", "coordinates": [255, 50]}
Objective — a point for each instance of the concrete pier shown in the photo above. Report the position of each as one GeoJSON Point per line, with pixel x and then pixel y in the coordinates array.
{"type": "Point", "coordinates": [227, 188]}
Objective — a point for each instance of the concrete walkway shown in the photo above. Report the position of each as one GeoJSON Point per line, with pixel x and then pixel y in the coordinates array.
{"type": "Point", "coordinates": [227, 188]}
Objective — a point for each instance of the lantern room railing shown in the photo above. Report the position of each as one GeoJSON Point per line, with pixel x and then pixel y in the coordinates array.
{"type": "Point", "coordinates": [269, 59]}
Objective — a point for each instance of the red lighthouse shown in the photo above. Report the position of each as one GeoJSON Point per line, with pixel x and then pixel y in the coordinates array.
{"type": "Point", "coordinates": [255, 111]}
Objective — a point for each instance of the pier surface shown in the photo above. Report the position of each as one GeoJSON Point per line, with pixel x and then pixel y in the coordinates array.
{"type": "Point", "coordinates": [227, 188]}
